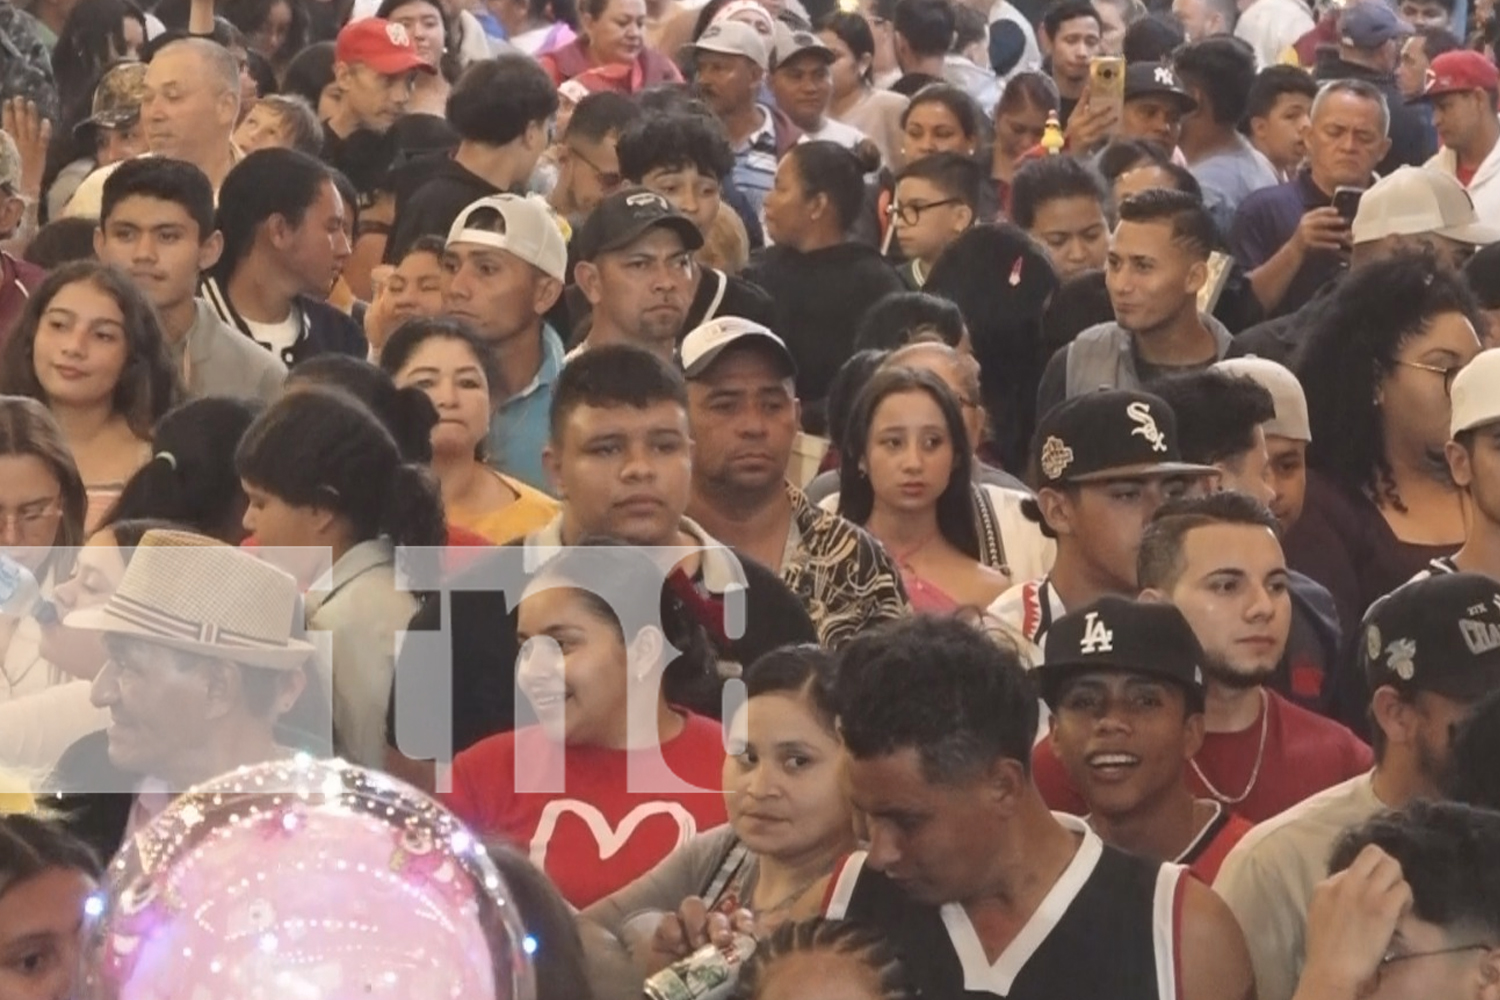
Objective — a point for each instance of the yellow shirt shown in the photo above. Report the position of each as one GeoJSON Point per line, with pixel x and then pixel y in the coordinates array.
{"type": "Point", "coordinates": [530, 510]}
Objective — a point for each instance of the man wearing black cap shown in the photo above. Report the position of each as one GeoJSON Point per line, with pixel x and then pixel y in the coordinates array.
{"type": "Point", "coordinates": [1430, 650]}
{"type": "Point", "coordinates": [635, 267]}
{"type": "Point", "coordinates": [1104, 461]}
{"type": "Point", "coordinates": [1155, 103]}
{"type": "Point", "coordinates": [1124, 681]}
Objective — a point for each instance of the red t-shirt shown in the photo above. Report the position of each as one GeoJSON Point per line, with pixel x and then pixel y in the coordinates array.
{"type": "Point", "coordinates": [1305, 753]}
{"type": "Point", "coordinates": [595, 836]}
{"type": "Point", "coordinates": [1464, 174]}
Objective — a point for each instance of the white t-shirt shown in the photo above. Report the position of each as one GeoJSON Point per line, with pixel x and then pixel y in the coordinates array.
{"type": "Point", "coordinates": [277, 336]}
{"type": "Point", "coordinates": [836, 131]}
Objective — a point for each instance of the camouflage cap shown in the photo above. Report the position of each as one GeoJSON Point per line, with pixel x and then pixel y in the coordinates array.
{"type": "Point", "coordinates": [117, 99]}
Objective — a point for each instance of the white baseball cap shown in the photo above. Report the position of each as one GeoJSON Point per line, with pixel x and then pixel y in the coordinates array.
{"type": "Point", "coordinates": [1476, 393]}
{"type": "Point", "coordinates": [735, 38]}
{"type": "Point", "coordinates": [1412, 201]}
{"type": "Point", "coordinates": [526, 228]}
{"type": "Point", "coordinates": [1286, 392]}
{"type": "Point", "coordinates": [705, 343]}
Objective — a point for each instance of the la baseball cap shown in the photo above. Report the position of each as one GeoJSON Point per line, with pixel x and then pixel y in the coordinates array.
{"type": "Point", "coordinates": [1116, 634]}
{"type": "Point", "coordinates": [1144, 79]}
{"type": "Point", "coordinates": [704, 345]}
{"type": "Point", "coordinates": [625, 217]}
{"type": "Point", "coordinates": [1110, 434]}
{"type": "Point", "coordinates": [1369, 24]}
{"type": "Point", "coordinates": [382, 45]}
{"type": "Point", "coordinates": [1286, 393]}
{"type": "Point", "coordinates": [1457, 71]}
{"type": "Point", "coordinates": [525, 227]}
{"type": "Point", "coordinates": [734, 38]}
{"type": "Point", "coordinates": [1476, 393]}
{"type": "Point", "coordinates": [118, 97]}
{"type": "Point", "coordinates": [1440, 634]}
{"type": "Point", "coordinates": [1412, 201]}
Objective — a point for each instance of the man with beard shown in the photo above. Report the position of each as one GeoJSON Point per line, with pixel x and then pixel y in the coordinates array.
{"type": "Point", "coordinates": [1217, 558]}
{"type": "Point", "coordinates": [1429, 651]}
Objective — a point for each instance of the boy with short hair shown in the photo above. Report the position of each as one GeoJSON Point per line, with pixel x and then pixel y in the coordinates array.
{"type": "Point", "coordinates": [937, 198]}
{"type": "Point", "coordinates": [1278, 110]}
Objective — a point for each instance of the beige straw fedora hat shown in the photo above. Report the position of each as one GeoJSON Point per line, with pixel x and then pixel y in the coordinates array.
{"type": "Point", "coordinates": [193, 593]}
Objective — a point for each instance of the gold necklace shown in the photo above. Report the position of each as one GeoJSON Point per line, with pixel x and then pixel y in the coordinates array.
{"type": "Point", "coordinates": [1260, 756]}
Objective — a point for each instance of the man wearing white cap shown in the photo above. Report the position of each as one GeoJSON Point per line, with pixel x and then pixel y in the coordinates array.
{"type": "Point", "coordinates": [743, 414]}
{"type": "Point", "coordinates": [1474, 462]}
{"type": "Point", "coordinates": [505, 264]}
{"type": "Point", "coordinates": [732, 59]}
{"type": "Point", "coordinates": [1287, 434]}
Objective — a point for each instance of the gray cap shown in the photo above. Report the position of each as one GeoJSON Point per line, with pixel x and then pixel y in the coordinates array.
{"type": "Point", "coordinates": [1286, 392]}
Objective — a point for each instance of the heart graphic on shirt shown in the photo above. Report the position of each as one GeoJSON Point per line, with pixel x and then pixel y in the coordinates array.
{"type": "Point", "coordinates": [610, 839]}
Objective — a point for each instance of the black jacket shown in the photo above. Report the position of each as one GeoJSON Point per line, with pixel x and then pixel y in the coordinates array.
{"type": "Point", "coordinates": [325, 330]}
{"type": "Point", "coordinates": [430, 192]}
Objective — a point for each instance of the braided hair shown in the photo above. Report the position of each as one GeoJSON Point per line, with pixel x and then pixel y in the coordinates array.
{"type": "Point", "coordinates": [820, 935]}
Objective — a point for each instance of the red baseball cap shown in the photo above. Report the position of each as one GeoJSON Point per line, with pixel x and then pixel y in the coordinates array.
{"type": "Point", "coordinates": [382, 45]}
{"type": "Point", "coordinates": [1460, 70]}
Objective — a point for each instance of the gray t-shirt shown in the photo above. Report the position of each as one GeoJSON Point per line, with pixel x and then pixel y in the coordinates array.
{"type": "Point", "coordinates": [1229, 177]}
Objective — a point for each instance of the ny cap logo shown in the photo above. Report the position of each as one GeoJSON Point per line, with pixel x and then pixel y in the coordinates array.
{"type": "Point", "coordinates": [1097, 638]}
{"type": "Point", "coordinates": [1140, 413]}
{"type": "Point", "coordinates": [1164, 76]}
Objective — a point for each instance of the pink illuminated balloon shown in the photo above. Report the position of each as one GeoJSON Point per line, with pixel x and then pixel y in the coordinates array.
{"type": "Point", "coordinates": [307, 880]}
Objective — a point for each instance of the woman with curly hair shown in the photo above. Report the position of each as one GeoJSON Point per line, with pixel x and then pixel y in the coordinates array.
{"type": "Point", "coordinates": [1377, 368]}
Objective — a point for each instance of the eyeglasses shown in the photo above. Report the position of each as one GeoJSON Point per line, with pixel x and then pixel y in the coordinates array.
{"type": "Point", "coordinates": [911, 212]}
{"type": "Point", "coordinates": [1449, 374]}
{"type": "Point", "coordinates": [1394, 959]}
{"type": "Point", "coordinates": [32, 519]}
{"type": "Point", "coordinates": [607, 178]}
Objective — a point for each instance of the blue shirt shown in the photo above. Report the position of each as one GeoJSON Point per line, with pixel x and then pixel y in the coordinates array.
{"type": "Point", "coordinates": [519, 428]}
{"type": "Point", "coordinates": [1267, 219]}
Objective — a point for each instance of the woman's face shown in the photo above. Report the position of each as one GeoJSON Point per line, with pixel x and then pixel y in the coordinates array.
{"type": "Point", "coordinates": [448, 372]}
{"type": "Point", "coordinates": [272, 34]}
{"type": "Point", "coordinates": [135, 39]}
{"type": "Point", "coordinates": [909, 453]}
{"type": "Point", "coordinates": [619, 33]}
{"type": "Point", "coordinates": [30, 509]}
{"type": "Point", "coordinates": [41, 935]}
{"type": "Point", "coordinates": [1019, 129]}
{"type": "Point", "coordinates": [96, 573]}
{"type": "Point", "coordinates": [932, 128]}
{"type": "Point", "coordinates": [329, 101]}
{"type": "Point", "coordinates": [786, 205]}
{"type": "Point", "coordinates": [781, 779]}
{"type": "Point", "coordinates": [1414, 402]}
{"type": "Point", "coordinates": [416, 286]}
{"type": "Point", "coordinates": [847, 71]}
{"type": "Point", "coordinates": [572, 667]}
{"type": "Point", "coordinates": [263, 128]}
{"type": "Point", "coordinates": [80, 347]}
{"type": "Point", "coordinates": [424, 22]}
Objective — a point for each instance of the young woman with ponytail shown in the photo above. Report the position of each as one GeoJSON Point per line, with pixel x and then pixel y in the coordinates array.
{"type": "Point", "coordinates": [324, 474]}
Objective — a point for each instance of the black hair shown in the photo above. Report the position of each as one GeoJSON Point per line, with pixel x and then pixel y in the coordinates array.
{"type": "Point", "coordinates": [819, 936]}
{"type": "Point", "coordinates": [191, 478]}
{"type": "Point", "coordinates": [970, 26]}
{"type": "Point", "coordinates": [1069, 10]}
{"type": "Point", "coordinates": [1436, 41]}
{"type": "Point", "coordinates": [1270, 84]}
{"type": "Point", "coordinates": [956, 175]}
{"type": "Point", "coordinates": [429, 244]}
{"type": "Point", "coordinates": [263, 73]}
{"type": "Point", "coordinates": [61, 241]}
{"type": "Point", "coordinates": [1081, 301]}
{"type": "Point", "coordinates": [157, 177]}
{"type": "Point", "coordinates": [1193, 228]}
{"type": "Point", "coordinates": [128, 534]}
{"type": "Point", "coordinates": [495, 100]}
{"type": "Point", "coordinates": [407, 414]}
{"type": "Point", "coordinates": [896, 319]}
{"type": "Point", "coordinates": [92, 33]}
{"type": "Point", "coordinates": [955, 505]}
{"type": "Point", "coordinates": [1051, 178]}
{"type": "Point", "coordinates": [249, 16]}
{"type": "Point", "coordinates": [1351, 348]}
{"type": "Point", "coordinates": [1001, 281]}
{"type": "Point", "coordinates": [1159, 562]}
{"type": "Point", "coordinates": [1482, 274]}
{"type": "Point", "coordinates": [268, 182]}
{"type": "Point", "coordinates": [1449, 855]}
{"type": "Point", "coordinates": [1217, 413]}
{"type": "Point", "coordinates": [1153, 39]}
{"type": "Point", "coordinates": [321, 447]}
{"type": "Point", "coordinates": [148, 385]}
{"type": "Point", "coordinates": [30, 846]}
{"type": "Point", "coordinates": [599, 114]}
{"type": "Point", "coordinates": [829, 169]}
{"type": "Point", "coordinates": [1471, 776]}
{"type": "Point", "coordinates": [311, 71]}
{"type": "Point", "coordinates": [1032, 89]}
{"type": "Point", "coordinates": [349, 195]}
{"type": "Point", "coordinates": [845, 388]}
{"type": "Point", "coordinates": [853, 30]}
{"type": "Point", "coordinates": [614, 375]}
{"type": "Point", "coordinates": [1122, 156]}
{"type": "Point", "coordinates": [672, 141]}
{"type": "Point", "coordinates": [978, 706]}
{"type": "Point", "coordinates": [806, 671]}
{"type": "Point", "coordinates": [1223, 68]}
{"type": "Point", "coordinates": [413, 333]}
{"type": "Point", "coordinates": [174, 14]}
{"type": "Point", "coordinates": [670, 98]}
{"type": "Point", "coordinates": [558, 962]}
{"type": "Point", "coordinates": [299, 119]}
{"type": "Point", "coordinates": [965, 109]}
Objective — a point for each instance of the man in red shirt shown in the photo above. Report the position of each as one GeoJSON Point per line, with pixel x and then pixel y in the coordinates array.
{"type": "Point", "coordinates": [1124, 680]}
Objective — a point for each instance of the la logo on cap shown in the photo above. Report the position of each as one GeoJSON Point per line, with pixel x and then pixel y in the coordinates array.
{"type": "Point", "coordinates": [1097, 637]}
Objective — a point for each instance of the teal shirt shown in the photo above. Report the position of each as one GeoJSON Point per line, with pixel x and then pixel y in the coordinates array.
{"type": "Point", "coordinates": [519, 428]}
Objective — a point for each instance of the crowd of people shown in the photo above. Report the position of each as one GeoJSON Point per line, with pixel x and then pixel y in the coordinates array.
{"type": "Point", "coordinates": [902, 498]}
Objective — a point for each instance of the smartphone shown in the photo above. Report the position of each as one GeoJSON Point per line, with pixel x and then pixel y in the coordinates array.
{"type": "Point", "coordinates": [1346, 202]}
{"type": "Point", "coordinates": [1107, 83]}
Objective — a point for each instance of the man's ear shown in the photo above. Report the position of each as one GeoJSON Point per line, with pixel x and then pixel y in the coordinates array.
{"type": "Point", "coordinates": [1459, 465]}
{"type": "Point", "coordinates": [1056, 510]}
{"type": "Point", "coordinates": [98, 239]}
{"type": "Point", "coordinates": [1393, 715]}
{"type": "Point", "coordinates": [548, 291]}
{"type": "Point", "coordinates": [586, 277]}
{"type": "Point", "coordinates": [552, 464]}
{"type": "Point", "coordinates": [210, 250]}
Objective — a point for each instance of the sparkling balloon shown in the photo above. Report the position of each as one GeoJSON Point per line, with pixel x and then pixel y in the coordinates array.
{"type": "Point", "coordinates": [307, 880]}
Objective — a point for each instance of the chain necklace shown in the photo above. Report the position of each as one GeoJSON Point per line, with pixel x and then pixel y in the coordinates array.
{"type": "Point", "coordinates": [791, 899]}
{"type": "Point", "coordinates": [1260, 756]}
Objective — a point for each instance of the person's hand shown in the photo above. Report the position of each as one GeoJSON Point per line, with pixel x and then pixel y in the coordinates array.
{"type": "Point", "coordinates": [1087, 127]}
{"type": "Point", "coordinates": [378, 319]}
{"type": "Point", "coordinates": [680, 934]}
{"type": "Point", "coordinates": [1350, 922]}
{"type": "Point", "coordinates": [1323, 229]}
{"type": "Point", "coordinates": [31, 132]}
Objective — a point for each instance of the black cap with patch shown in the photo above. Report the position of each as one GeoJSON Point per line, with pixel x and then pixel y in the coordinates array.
{"type": "Point", "coordinates": [1116, 634]}
{"type": "Point", "coordinates": [1144, 79]}
{"type": "Point", "coordinates": [625, 217]}
{"type": "Point", "coordinates": [1109, 434]}
{"type": "Point", "coordinates": [1439, 634]}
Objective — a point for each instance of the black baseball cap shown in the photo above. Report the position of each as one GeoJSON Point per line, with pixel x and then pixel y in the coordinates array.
{"type": "Point", "coordinates": [1146, 78]}
{"type": "Point", "coordinates": [1119, 635]}
{"type": "Point", "coordinates": [625, 217]}
{"type": "Point", "coordinates": [1110, 434]}
{"type": "Point", "coordinates": [1440, 634]}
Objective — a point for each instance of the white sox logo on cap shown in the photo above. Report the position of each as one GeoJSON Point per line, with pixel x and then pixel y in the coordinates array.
{"type": "Point", "coordinates": [1140, 413]}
